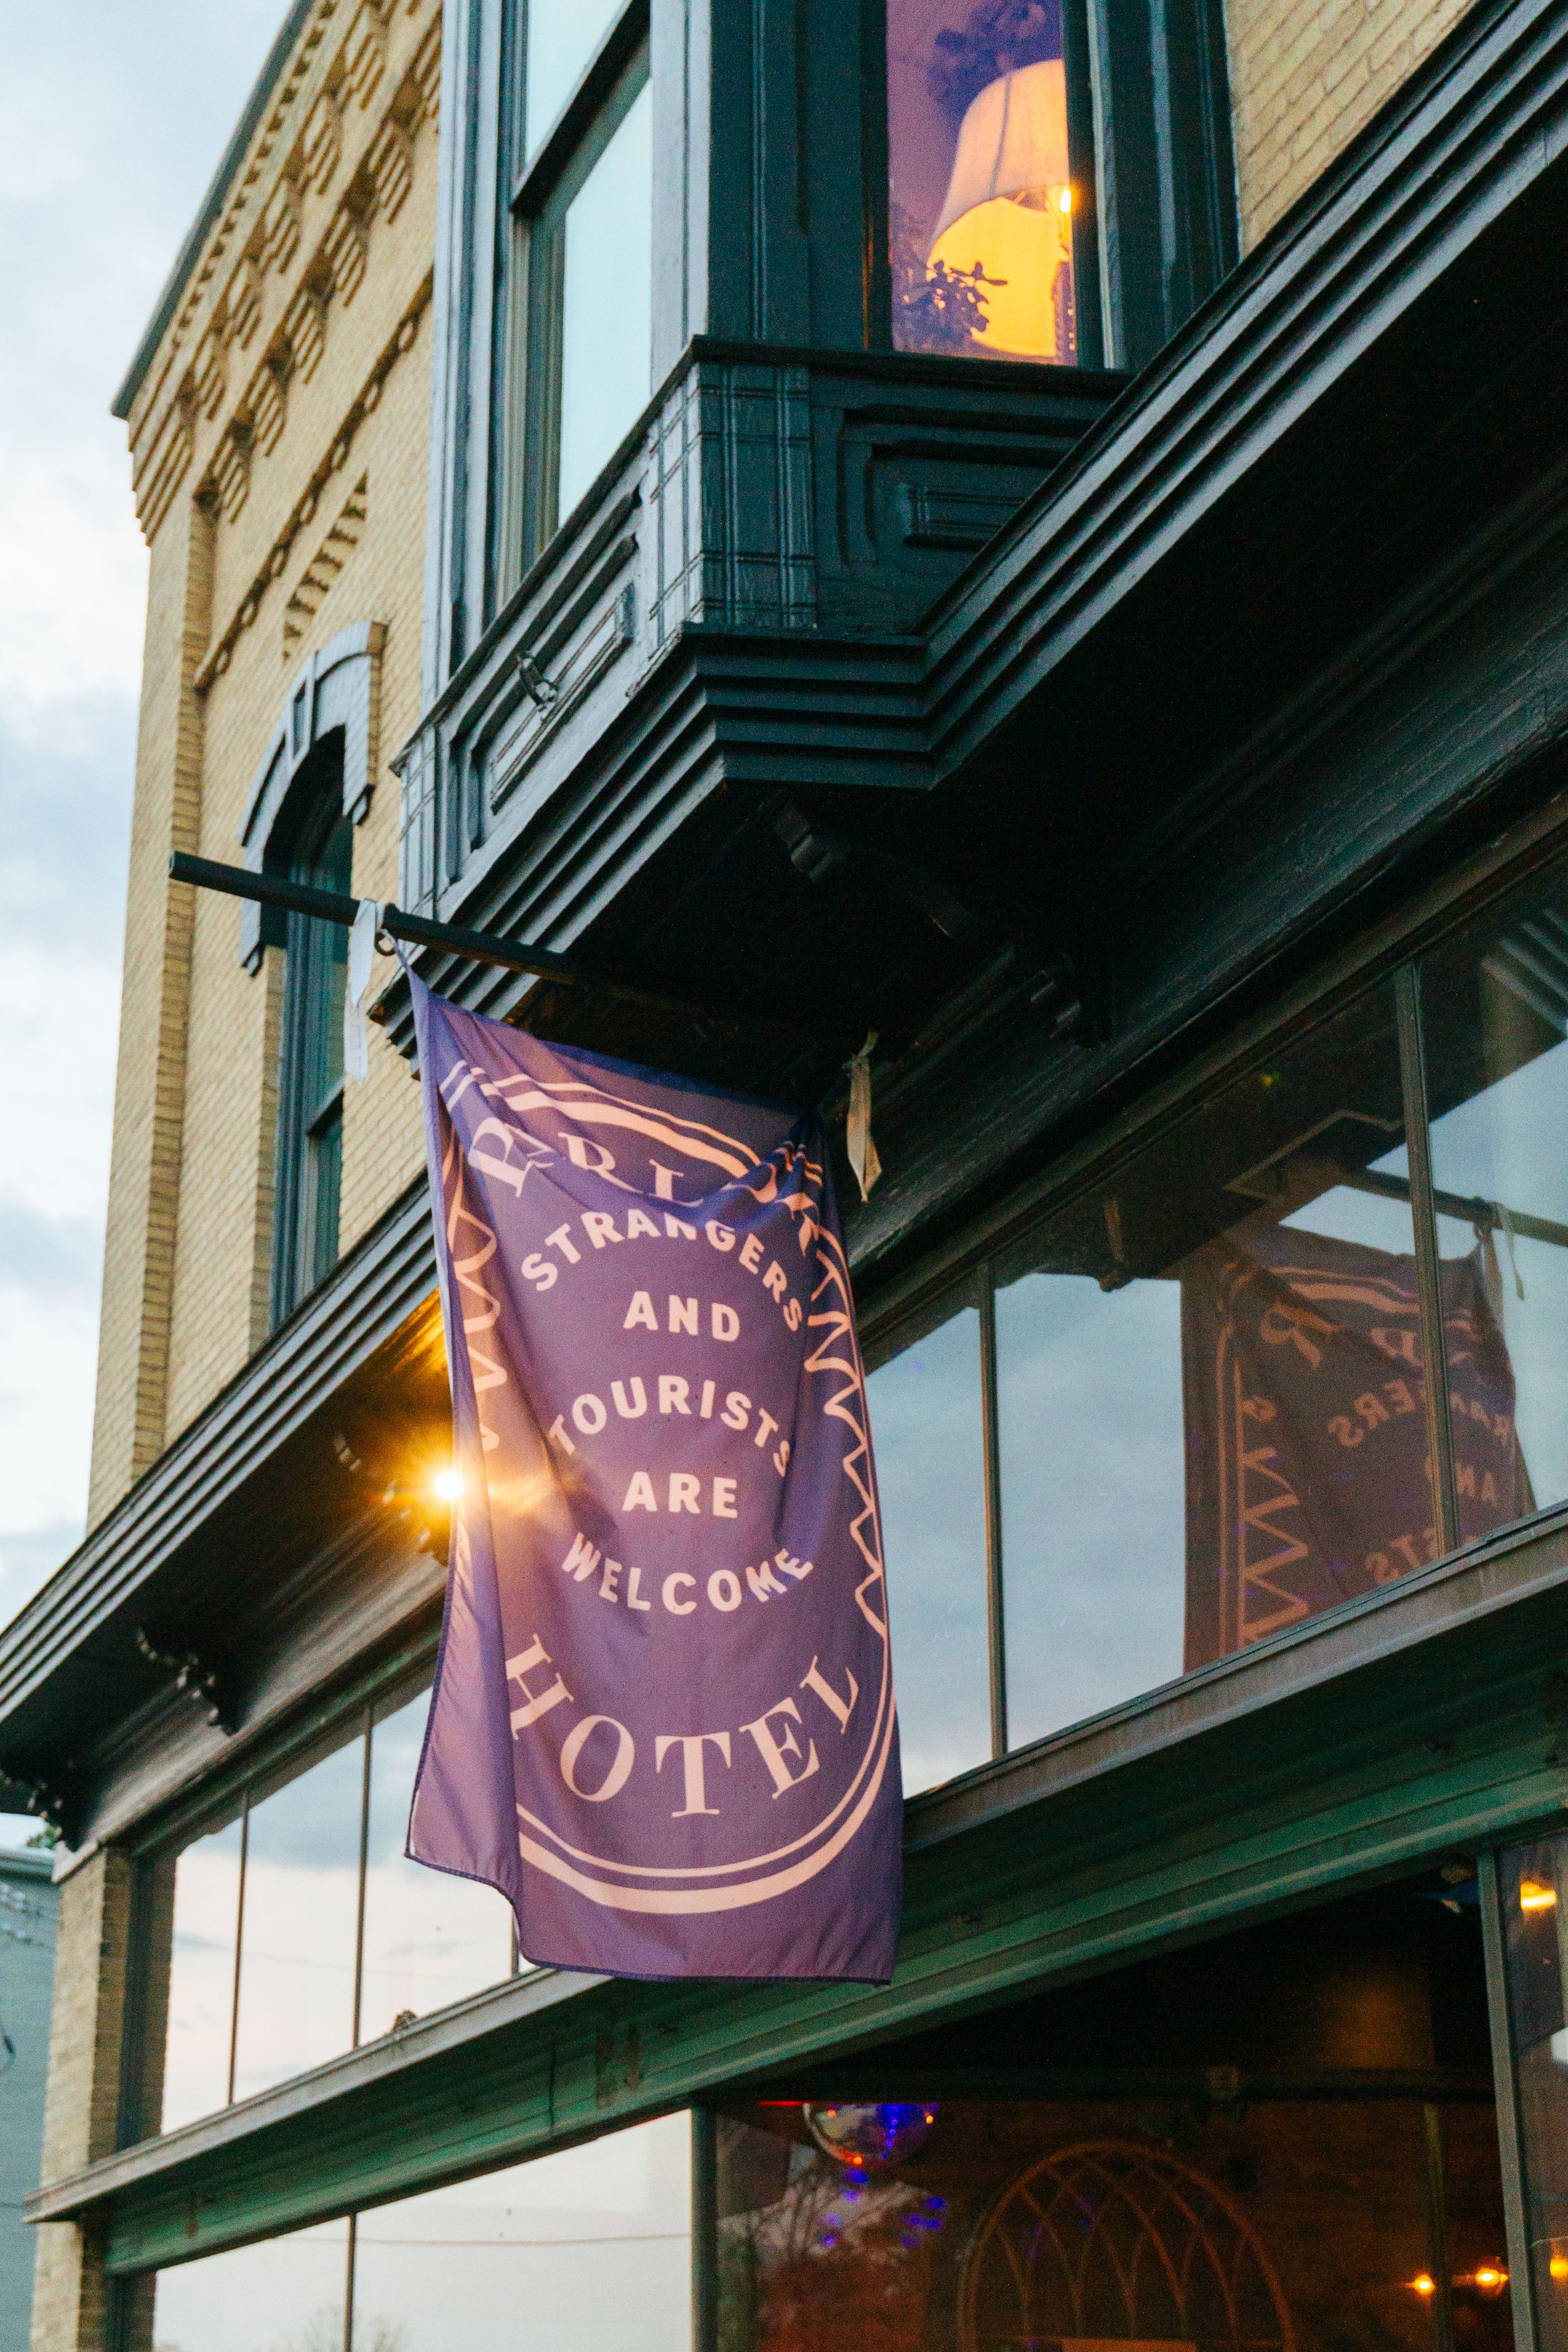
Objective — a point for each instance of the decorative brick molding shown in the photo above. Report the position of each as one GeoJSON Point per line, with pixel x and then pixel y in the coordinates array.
{"type": "Point", "coordinates": [307, 507]}
{"type": "Point", "coordinates": [335, 689]}
{"type": "Point", "coordinates": [266, 222]}
{"type": "Point", "coordinates": [316, 580]}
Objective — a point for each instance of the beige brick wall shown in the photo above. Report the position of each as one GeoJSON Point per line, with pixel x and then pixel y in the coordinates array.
{"type": "Point", "coordinates": [224, 1230]}
{"type": "Point", "coordinates": [81, 2111]}
{"type": "Point", "coordinates": [1306, 75]}
{"type": "Point", "coordinates": [279, 451]}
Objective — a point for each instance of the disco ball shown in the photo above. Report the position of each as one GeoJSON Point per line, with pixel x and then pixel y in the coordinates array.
{"type": "Point", "coordinates": [865, 2137]}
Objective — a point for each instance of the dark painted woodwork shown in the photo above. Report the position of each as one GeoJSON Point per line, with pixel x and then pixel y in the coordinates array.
{"type": "Point", "coordinates": [770, 224]}
{"type": "Point", "coordinates": [239, 1542]}
{"type": "Point", "coordinates": [1272, 643]}
{"type": "Point", "coordinates": [1317, 1762]}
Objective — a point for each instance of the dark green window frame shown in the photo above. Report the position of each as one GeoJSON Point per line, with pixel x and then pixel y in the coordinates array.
{"type": "Point", "coordinates": [611, 85]}
{"type": "Point", "coordinates": [308, 1167]}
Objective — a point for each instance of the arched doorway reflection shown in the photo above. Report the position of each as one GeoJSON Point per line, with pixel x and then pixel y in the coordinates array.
{"type": "Point", "coordinates": [1112, 2242]}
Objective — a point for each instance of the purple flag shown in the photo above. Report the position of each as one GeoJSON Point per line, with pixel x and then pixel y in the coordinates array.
{"type": "Point", "coordinates": [663, 1719]}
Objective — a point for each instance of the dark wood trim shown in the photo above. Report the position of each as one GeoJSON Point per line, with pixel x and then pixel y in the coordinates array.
{"type": "Point", "coordinates": [383, 1283]}
{"type": "Point", "coordinates": [1344, 1753]}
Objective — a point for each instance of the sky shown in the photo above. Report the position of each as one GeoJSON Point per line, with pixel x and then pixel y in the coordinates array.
{"type": "Point", "coordinates": [116, 116]}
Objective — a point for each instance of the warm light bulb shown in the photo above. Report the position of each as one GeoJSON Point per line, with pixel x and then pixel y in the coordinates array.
{"type": "Point", "coordinates": [1533, 1897]}
{"type": "Point", "coordinates": [448, 1484]}
{"type": "Point", "coordinates": [1424, 2285]}
{"type": "Point", "coordinates": [1488, 2278]}
{"type": "Point", "coordinates": [1558, 2266]}
{"type": "Point", "coordinates": [1065, 200]}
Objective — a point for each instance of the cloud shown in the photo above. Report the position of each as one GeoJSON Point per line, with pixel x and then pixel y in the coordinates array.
{"type": "Point", "coordinates": [116, 119]}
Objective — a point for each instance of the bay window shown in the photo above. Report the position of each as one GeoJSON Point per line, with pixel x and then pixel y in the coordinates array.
{"type": "Point", "coordinates": [992, 212]}
{"type": "Point", "coordinates": [583, 212]}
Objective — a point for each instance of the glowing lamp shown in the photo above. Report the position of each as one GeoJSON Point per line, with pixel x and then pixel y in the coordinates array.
{"type": "Point", "coordinates": [1424, 2285]}
{"type": "Point", "coordinates": [1558, 2265]}
{"type": "Point", "coordinates": [1008, 213]}
{"type": "Point", "coordinates": [865, 2135]}
{"type": "Point", "coordinates": [1533, 1897]}
{"type": "Point", "coordinates": [1490, 2278]}
{"type": "Point", "coordinates": [448, 1484]}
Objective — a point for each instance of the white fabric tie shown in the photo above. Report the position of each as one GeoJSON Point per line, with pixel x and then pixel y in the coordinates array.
{"type": "Point", "coordinates": [362, 958]}
{"type": "Point", "coordinates": [858, 1140]}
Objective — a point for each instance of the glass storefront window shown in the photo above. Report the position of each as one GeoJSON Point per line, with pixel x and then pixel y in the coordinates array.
{"type": "Point", "coordinates": [606, 303]}
{"type": "Point", "coordinates": [928, 1436]}
{"type": "Point", "coordinates": [589, 2251]}
{"type": "Point", "coordinates": [201, 1977]}
{"type": "Point", "coordinates": [429, 1938]}
{"type": "Point", "coordinates": [299, 1924]}
{"type": "Point", "coordinates": [1495, 1018]}
{"type": "Point", "coordinates": [1212, 1419]}
{"type": "Point", "coordinates": [286, 2295]}
{"type": "Point", "coordinates": [585, 2252]}
{"type": "Point", "coordinates": [1090, 1408]}
{"type": "Point", "coordinates": [1271, 2224]}
{"type": "Point", "coordinates": [301, 1929]}
{"type": "Point", "coordinates": [985, 198]}
{"type": "Point", "coordinates": [1209, 1381]}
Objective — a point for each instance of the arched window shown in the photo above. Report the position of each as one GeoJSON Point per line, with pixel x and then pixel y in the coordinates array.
{"type": "Point", "coordinates": [311, 1061]}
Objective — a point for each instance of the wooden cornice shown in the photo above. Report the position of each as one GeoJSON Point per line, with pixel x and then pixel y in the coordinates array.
{"type": "Point", "coordinates": [69, 1667]}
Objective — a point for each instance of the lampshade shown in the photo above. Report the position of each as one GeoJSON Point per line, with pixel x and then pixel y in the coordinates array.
{"type": "Point", "coordinates": [1008, 213]}
{"type": "Point", "coordinates": [1013, 142]}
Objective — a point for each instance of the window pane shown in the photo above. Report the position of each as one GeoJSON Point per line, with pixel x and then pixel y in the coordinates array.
{"type": "Point", "coordinates": [927, 1436]}
{"type": "Point", "coordinates": [606, 323]}
{"type": "Point", "coordinates": [981, 191]}
{"type": "Point", "coordinates": [1209, 1385]}
{"type": "Point", "coordinates": [428, 1938]}
{"type": "Point", "coordinates": [201, 1977]}
{"type": "Point", "coordinates": [1495, 1014]}
{"type": "Point", "coordinates": [1090, 1411]}
{"type": "Point", "coordinates": [284, 2295]}
{"type": "Point", "coordinates": [1534, 1891]}
{"type": "Point", "coordinates": [1147, 2225]}
{"type": "Point", "coordinates": [563, 35]}
{"type": "Point", "coordinates": [301, 1900]}
{"type": "Point", "coordinates": [585, 2252]}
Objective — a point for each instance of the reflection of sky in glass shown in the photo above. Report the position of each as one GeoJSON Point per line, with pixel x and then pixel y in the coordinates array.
{"type": "Point", "coordinates": [607, 322]}
{"type": "Point", "coordinates": [302, 1891]}
{"type": "Point", "coordinates": [563, 35]}
{"type": "Point", "coordinates": [1089, 1415]}
{"type": "Point", "coordinates": [201, 1980]}
{"type": "Point", "coordinates": [428, 1938]}
{"type": "Point", "coordinates": [926, 1430]}
{"type": "Point", "coordinates": [585, 2252]}
{"type": "Point", "coordinates": [1510, 1144]}
{"type": "Point", "coordinates": [1349, 1217]}
{"type": "Point", "coordinates": [284, 2295]}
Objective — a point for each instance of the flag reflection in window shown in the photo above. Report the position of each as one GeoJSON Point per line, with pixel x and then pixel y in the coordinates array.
{"type": "Point", "coordinates": [983, 195]}
{"type": "Point", "coordinates": [1209, 1417]}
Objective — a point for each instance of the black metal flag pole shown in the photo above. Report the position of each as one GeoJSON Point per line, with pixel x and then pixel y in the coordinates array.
{"type": "Point", "coordinates": [476, 947]}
